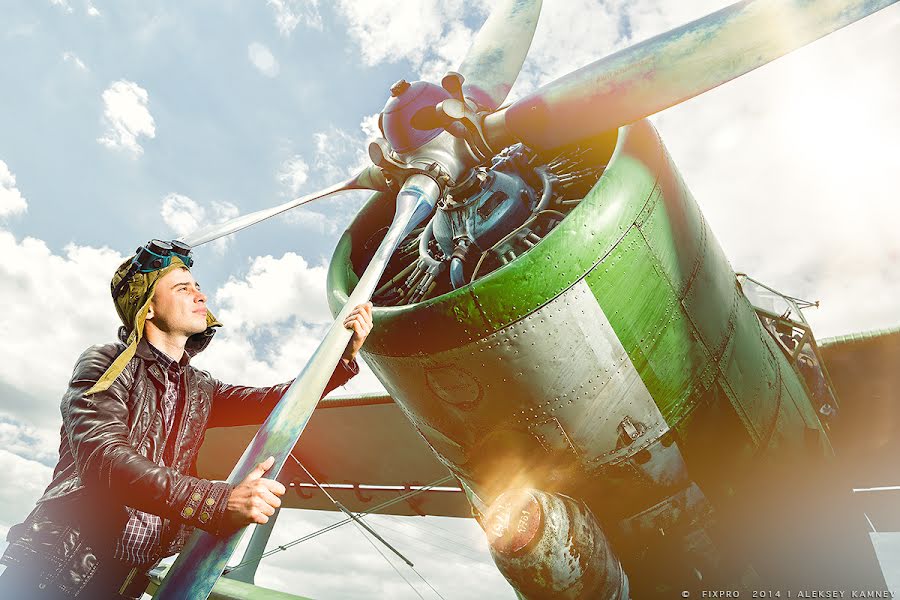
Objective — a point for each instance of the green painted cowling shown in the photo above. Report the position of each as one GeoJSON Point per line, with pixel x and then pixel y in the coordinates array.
{"type": "Point", "coordinates": [566, 368]}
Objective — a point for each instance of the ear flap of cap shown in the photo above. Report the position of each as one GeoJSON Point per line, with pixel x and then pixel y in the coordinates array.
{"type": "Point", "coordinates": [199, 341]}
{"type": "Point", "coordinates": [145, 282]}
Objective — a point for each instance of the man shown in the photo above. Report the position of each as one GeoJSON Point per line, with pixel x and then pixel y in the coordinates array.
{"type": "Point", "coordinates": [125, 491]}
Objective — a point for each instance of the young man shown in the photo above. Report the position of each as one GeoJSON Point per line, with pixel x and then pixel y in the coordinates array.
{"type": "Point", "coordinates": [125, 491]}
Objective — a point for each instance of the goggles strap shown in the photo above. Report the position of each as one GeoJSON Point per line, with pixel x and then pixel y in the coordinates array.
{"type": "Point", "coordinates": [124, 281]}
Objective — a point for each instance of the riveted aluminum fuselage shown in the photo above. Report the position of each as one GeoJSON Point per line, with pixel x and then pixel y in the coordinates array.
{"type": "Point", "coordinates": [575, 367]}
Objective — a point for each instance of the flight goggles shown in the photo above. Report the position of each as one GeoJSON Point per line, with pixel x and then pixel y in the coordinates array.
{"type": "Point", "coordinates": [157, 254]}
{"type": "Point", "coordinates": [153, 256]}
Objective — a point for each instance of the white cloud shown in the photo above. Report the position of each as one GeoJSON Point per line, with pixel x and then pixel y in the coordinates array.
{"type": "Point", "coordinates": [92, 10]}
{"type": "Point", "coordinates": [25, 481]}
{"type": "Point", "coordinates": [340, 154]}
{"type": "Point", "coordinates": [448, 54]}
{"type": "Point", "coordinates": [71, 57]}
{"type": "Point", "coordinates": [333, 149]}
{"type": "Point", "coordinates": [275, 316]}
{"type": "Point", "coordinates": [591, 31]}
{"type": "Point", "coordinates": [66, 294]}
{"type": "Point", "coordinates": [369, 127]}
{"type": "Point", "coordinates": [293, 173]}
{"type": "Point", "coordinates": [290, 13]}
{"type": "Point", "coordinates": [11, 200]}
{"type": "Point", "coordinates": [63, 4]}
{"type": "Point", "coordinates": [41, 445]}
{"type": "Point", "coordinates": [262, 59]}
{"type": "Point", "coordinates": [185, 216]}
{"type": "Point", "coordinates": [182, 214]}
{"type": "Point", "coordinates": [313, 220]}
{"type": "Point", "coordinates": [330, 147]}
{"type": "Point", "coordinates": [429, 34]}
{"type": "Point", "coordinates": [275, 290]}
{"type": "Point", "coordinates": [126, 117]}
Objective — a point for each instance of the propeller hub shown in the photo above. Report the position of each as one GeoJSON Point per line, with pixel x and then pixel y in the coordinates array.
{"type": "Point", "coordinates": [407, 99]}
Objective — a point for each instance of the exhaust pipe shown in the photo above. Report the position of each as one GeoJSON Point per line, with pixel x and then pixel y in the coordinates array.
{"type": "Point", "coordinates": [551, 546]}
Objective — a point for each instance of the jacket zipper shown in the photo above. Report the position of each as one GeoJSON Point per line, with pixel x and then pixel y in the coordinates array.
{"type": "Point", "coordinates": [175, 453]}
{"type": "Point", "coordinates": [184, 414]}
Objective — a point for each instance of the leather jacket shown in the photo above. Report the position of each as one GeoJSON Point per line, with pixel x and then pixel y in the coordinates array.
{"type": "Point", "coordinates": [110, 446]}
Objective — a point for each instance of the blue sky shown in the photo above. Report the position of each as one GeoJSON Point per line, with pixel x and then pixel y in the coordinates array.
{"type": "Point", "coordinates": [122, 121]}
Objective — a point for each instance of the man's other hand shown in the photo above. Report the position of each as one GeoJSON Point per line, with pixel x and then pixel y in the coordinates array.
{"type": "Point", "coordinates": [360, 322]}
{"type": "Point", "coordinates": [254, 499]}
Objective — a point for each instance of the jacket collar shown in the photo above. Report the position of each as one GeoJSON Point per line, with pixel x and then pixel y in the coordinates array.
{"type": "Point", "coordinates": [144, 352]}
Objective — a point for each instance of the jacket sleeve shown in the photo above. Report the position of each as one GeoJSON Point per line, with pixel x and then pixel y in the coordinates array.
{"type": "Point", "coordinates": [97, 428]}
{"type": "Point", "coordinates": [234, 405]}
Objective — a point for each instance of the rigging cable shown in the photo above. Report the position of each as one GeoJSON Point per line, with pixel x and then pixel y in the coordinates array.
{"type": "Point", "coordinates": [363, 528]}
{"type": "Point", "coordinates": [344, 510]}
{"type": "Point", "coordinates": [448, 536]}
{"type": "Point", "coordinates": [328, 528]}
{"type": "Point", "coordinates": [393, 566]}
{"type": "Point", "coordinates": [479, 563]}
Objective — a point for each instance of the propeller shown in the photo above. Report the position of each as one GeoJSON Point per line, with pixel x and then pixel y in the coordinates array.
{"type": "Point", "coordinates": [203, 558]}
{"type": "Point", "coordinates": [492, 66]}
{"type": "Point", "coordinates": [498, 51]}
{"type": "Point", "coordinates": [370, 178]}
{"type": "Point", "coordinates": [668, 69]}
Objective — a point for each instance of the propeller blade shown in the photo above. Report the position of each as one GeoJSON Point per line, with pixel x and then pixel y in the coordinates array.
{"type": "Point", "coordinates": [496, 56]}
{"type": "Point", "coordinates": [668, 69]}
{"type": "Point", "coordinates": [203, 558]}
{"type": "Point", "coordinates": [370, 178]}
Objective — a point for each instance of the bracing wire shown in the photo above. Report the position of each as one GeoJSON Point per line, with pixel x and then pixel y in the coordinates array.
{"type": "Point", "coordinates": [454, 547]}
{"type": "Point", "coordinates": [328, 528]}
{"type": "Point", "coordinates": [365, 528]}
{"type": "Point", "coordinates": [460, 538]}
{"type": "Point", "coordinates": [347, 512]}
{"type": "Point", "coordinates": [431, 587]}
{"type": "Point", "coordinates": [479, 563]}
{"type": "Point", "coordinates": [463, 541]}
{"type": "Point", "coordinates": [393, 566]}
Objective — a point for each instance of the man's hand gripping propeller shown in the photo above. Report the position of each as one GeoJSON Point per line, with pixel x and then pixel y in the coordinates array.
{"type": "Point", "coordinates": [256, 498]}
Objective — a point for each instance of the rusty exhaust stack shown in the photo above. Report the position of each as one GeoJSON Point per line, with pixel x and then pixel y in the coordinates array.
{"type": "Point", "coordinates": [551, 546]}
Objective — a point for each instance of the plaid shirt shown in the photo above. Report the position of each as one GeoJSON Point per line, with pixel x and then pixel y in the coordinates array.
{"type": "Point", "coordinates": [140, 538]}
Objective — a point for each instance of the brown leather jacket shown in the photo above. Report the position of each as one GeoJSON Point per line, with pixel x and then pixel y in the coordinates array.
{"type": "Point", "coordinates": [109, 452]}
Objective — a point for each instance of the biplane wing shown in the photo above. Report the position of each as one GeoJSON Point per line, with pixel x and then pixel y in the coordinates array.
{"type": "Point", "coordinates": [363, 450]}
{"type": "Point", "coordinates": [865, 374]}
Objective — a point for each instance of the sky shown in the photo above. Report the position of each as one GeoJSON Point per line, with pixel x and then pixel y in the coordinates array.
{"type": "Point", "coordinates": [123, 121]}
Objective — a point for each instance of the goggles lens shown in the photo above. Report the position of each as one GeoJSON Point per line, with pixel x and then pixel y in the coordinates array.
{"type": "Point", "coordinates": [157, 254]}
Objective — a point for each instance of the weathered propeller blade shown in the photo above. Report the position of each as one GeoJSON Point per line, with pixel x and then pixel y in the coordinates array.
{"type": "Point", "coordinates": [668, 69]}
{"type": "Point", "coordinates": [203, 558]}
{"type": "Point", "coordinates": [370, 178]}
{"type": "Point", "coordinates": [496, 56]}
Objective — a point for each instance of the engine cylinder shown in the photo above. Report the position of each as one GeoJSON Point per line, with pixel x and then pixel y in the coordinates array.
{"type": "Point", "coordinates": [551, 546]}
